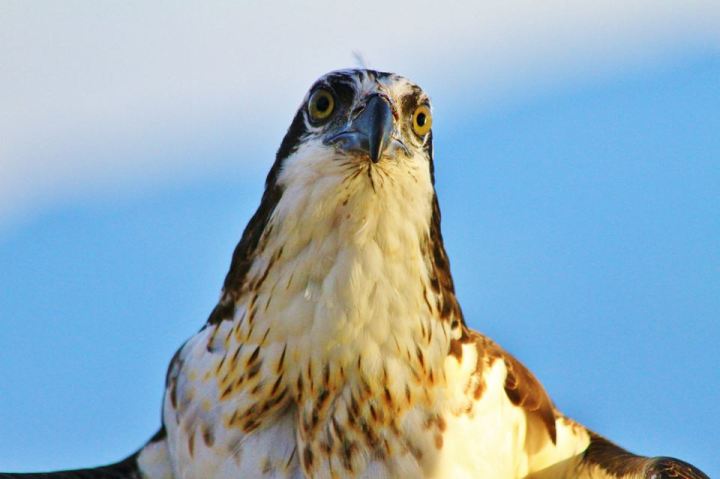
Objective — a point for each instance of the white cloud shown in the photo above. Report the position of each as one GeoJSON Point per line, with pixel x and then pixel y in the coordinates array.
{"type": "Point", "coordinates": [97, 96]}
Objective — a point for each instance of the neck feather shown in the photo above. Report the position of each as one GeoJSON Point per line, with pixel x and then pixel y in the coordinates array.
{"type": "Point", "coordinates": [345, 266]}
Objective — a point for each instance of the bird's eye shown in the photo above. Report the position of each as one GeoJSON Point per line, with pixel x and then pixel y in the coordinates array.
{"type": "Point", "coordinates": [422, 120]}
{"type": "Point", "coordinates": [321, 105]}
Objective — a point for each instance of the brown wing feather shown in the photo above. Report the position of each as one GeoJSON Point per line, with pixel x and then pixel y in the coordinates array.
{"type": "Point", "coordinates": [620, 463]}
{"type": "Point", "coordinates": [524, 390]}
{"type": "Point", "coordinates": [521, 386]}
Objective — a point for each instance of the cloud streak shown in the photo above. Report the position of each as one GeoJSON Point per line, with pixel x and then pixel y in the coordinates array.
{"type": "Point", "coordinates": [98, 97]}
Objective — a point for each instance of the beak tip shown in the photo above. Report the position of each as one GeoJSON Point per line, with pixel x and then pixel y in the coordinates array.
{"type": "Point", "coordinates": [379, 114]}
{"type": "Point", "coordinates": [371, 131]}
{"type": "Point", "coordinates": [375, 152]}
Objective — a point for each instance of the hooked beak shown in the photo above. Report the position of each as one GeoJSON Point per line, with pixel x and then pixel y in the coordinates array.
{"type": "Point", "coordinates": [370, 132]}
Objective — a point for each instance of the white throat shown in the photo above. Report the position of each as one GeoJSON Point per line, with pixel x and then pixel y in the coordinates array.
{"type": "Point", "coordinates": [341, 269]}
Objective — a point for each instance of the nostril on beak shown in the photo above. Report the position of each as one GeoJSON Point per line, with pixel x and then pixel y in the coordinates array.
{"type": "Point", "coordinates": [377, 122]}
{"type": "Point", "coordinates": [370, 130]}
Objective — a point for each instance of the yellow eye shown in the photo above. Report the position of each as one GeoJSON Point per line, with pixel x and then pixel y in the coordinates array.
{"type": "Point", "coordinates": [422, 120]}
{"type": "Point", "coordinates": [321, 105]}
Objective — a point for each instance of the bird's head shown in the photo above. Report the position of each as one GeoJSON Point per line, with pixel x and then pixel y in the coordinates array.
{"type": "Point", "coordinates": [352, 184]}
{"type": "Point", "coordinates": [366, 115]}
{"type": "Point", "coordinates": [363, 114]}
{"type": "Point", "coordinates": [358, 131]}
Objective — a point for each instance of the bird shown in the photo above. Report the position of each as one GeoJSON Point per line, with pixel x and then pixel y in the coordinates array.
{"type": "Point", "coordinates": [338, 347]}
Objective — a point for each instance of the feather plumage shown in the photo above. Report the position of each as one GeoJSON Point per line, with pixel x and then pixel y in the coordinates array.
{"type": "Point", "coordinates": [338, 347]}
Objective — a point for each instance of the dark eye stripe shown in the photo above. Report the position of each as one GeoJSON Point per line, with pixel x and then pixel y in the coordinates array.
{"type": "Point", "coordinates": [410, 102]}
{"type": "Point", "coordinates": [344, 90]}
{"type": "Point", "coordinates": [342, 87]}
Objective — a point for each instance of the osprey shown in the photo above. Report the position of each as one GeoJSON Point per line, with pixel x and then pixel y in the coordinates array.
{"type": "Point", "coordinates": [338, 348]}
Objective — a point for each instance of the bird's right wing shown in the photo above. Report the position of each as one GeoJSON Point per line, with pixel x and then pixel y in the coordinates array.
{"type": "Point", "coordinates": [126, 469]}
{"type": "Point", "coordinates": [150, 462]}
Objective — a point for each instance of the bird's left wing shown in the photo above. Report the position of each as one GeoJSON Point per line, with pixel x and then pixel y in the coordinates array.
{"type": "Point", "coordinates": [499, 394]}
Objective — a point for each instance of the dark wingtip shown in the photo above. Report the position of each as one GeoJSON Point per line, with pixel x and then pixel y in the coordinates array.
{"type": "Point", "coordinates": [670, 468]}
{"type": "Point", "coordinates": [620, 463]}
{"type": "Point", "coordinates": [125, 469]}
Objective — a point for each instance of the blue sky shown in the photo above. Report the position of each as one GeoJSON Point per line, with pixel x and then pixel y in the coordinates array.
{"type": "Point", "coordinates": [578, 168]}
